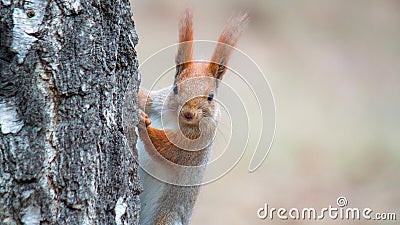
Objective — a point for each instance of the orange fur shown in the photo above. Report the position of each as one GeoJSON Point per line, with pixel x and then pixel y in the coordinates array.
{"type": "Point", "coordinates": [228, 39]}
{"type": "Point", "coordinates": [185, 48]}
{"type": "Point", "coordinates": [158, 146]}
{"type": "Point", "coordinates": [161, 143]}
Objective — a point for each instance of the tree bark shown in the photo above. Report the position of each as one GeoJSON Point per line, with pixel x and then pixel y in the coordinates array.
{"type": "Point", "coordinates": [67, 156]}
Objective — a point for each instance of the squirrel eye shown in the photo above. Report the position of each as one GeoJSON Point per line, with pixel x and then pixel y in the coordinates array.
{"type": "Point", "coordinates": [210, 96]}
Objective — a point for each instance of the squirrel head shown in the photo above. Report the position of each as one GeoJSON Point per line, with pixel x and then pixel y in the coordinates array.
{"type": "Point", "coordinates": [195, 85]}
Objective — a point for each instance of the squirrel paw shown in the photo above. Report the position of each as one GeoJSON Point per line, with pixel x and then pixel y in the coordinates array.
{"type": "Point", "coordinates": [144, 119]}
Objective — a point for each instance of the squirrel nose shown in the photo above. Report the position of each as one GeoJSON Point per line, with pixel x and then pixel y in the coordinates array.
{"type": "Point", "coordinates": [188, 115]}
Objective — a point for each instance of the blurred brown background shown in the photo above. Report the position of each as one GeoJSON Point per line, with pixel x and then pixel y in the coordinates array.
{"type": "Point", "coordinates": [334, 68]}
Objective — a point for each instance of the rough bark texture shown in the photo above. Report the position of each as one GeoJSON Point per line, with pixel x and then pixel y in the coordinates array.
{"type": "Point", "coordinates": [65, 66]}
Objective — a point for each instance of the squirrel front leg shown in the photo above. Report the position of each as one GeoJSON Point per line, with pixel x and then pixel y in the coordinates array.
{"type": "Point", "coordinates": [155, 141]}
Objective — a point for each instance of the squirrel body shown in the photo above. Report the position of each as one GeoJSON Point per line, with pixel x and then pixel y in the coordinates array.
{"type": "Point", "coordinates": [164, 203]}
{"type": "Point", "coordinates": [177, 126]}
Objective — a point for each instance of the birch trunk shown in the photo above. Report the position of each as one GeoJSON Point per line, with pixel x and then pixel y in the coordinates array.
{"type": "Point", "coordinates": [65, 66]}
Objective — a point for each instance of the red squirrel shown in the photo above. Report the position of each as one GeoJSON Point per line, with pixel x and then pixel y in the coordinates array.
{"type": "Point", "coordinates": [177, 126]}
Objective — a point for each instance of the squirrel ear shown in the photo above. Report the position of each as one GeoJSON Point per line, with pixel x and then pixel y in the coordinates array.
{"type": "Point", "coordinates": [228, 39]}
{"type": "Point", "coordinates": [185, 47]}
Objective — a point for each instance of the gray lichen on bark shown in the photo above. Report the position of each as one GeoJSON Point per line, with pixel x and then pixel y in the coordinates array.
{"type": "Point", "coordinates": [64, 154]}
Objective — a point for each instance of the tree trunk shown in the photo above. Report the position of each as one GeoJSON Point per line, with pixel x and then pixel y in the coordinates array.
{"type": "Point", "coordinates": [67, 157]}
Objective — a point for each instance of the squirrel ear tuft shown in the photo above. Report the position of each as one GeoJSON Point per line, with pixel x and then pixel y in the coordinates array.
{"type": "Point", "coordinates": [185, 47]}
{"type": "Point", "coordinates": [228, 39]}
